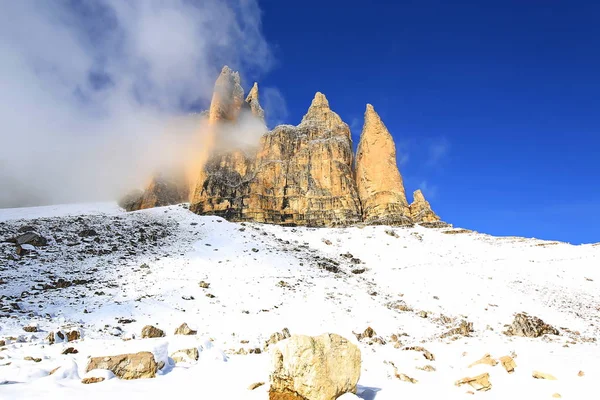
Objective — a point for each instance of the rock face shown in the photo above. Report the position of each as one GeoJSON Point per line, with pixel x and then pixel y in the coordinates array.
{"type": "Point", "coordinates": [421, 212]}
{"type": "Point", "coordinates": [530, 326]}
{"type": "Point", "coordinates": [379, 183]}
{"type": "Point", "coordinates": [126, 366]}
{"type": "Point", "coordinates": [163, 190]}
{"type": "Point", "coordinates": [253, 103]}
{"type": "Point", "coordinates": [301, 175]}
{"type": "Point", "coordinates": [314, 368]}
{"type": "Point", "coordinates": [293, 175]}
{"type": "Point", "coordinates": [228, 97]}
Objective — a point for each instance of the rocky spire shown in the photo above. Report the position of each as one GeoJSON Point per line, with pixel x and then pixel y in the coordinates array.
{"type": "Point", "coordinates": [420, 210]}
{"type": "Point", "coordinates": [228, 97]}
{"type": "Point", "coordinates": [380, 186]}
{"type": "Point", "coordinates": [320, 114]}
{"type": "Point", "coordinates": [252, 101]}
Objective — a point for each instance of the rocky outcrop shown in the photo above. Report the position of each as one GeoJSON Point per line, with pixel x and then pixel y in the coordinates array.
{"type": "Point", "coordinates": [378, 179]}
{"type": "Point", "coordinates": [126, 366]}
{"type": "Point", "coordinates": [163, 190]}
{"type": "Point", "coordinates": [253, 103]}
{"type": "Point", "coordinates": [421, 212]}
{"type": "Point", "coordinates": [227, 98]}
{"type": "Point", "coordinates": [314, 368]}
{"type": "Point", "coordinates": [530, 326]}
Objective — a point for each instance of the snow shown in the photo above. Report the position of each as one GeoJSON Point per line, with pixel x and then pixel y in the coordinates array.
{"type": "Point", "coordinates": [142, 266]}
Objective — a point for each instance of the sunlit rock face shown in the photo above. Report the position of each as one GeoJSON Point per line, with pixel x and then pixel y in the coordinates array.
{"type": "Point", "coordinates": [378, 179]}
{"type": "Point", "coordinates": [291, 175]}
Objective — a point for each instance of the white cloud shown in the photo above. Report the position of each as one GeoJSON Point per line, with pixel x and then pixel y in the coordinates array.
{"type": "Point", "coordinates": [93, 91]}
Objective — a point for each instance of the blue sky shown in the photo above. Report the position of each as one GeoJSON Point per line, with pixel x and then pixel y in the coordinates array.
{"type": "Point", "coordinates": [494, 106]}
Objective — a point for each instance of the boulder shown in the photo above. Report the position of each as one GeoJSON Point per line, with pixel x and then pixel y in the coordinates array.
{"type": "Point", "coordinates": [150, 331]}
{"type": "Point", "coordinates": [543, 375]}
{"type": "Point", "coordinates": [184, 329]}
{"type": "Point", "coordinates": [479, 382]}
{"type": "Point", "coordinates": [379, 183]}
{"type": "Point", "coordinates": [32, 239]}
{"type": "Point", "coordinates": [314, 368]}
{"type": "Point", "coordinates": [529, 326]}
{"type": "Point", "coordinates": [126, 366]}
{"type": "Point", "coordinates": [277, 337]}
{"type": "Point", "coordinates": [508, 363]}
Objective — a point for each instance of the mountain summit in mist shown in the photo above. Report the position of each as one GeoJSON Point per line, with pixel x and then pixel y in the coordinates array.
{"type": "Point", "coordinates": [294, 175]}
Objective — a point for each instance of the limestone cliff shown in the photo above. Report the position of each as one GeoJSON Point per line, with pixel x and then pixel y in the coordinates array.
{"type": "Point", "coordinates": [378, 179]}
{"type": "Point", "coordinates": [304, 173]}
{"type": "Point", "coordinates": [421, 212]}
{"type": "Point", "coordinates": [301, 175]}
{"type": "Point", "coordinates": [163, 190]}
{"type": "Point", "coordinates": [227, 98]}
{"type": "Point", "coordinates": [293, 175]}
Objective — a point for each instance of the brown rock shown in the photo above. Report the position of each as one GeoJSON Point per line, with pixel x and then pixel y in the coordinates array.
{"type": "Point", "coordinates": [379, 183]}
{"type": "Point", "coordinates": [165, 188]}
{"type": "Point", "coordinates": [2, 343]}
{"type": "Point", "coordinates": [150, 331]}
{"type": "Point", "coordinates": [126, 366]}
{"type": "Point", "coordinates": [486, 359]}
{"type": "Point", "coordinates": [50, 338]}
{"type": "Point", "coordinates": [421, 212]}
{"type": "Point", "coordinates": [87, 381]}
{"type": "Point", "coordinates": [529, 326]}
{"type": "Point", "coordinates": [184, 354]}
{"type": "Point", "coordinates": [73, 335]}
{"type": "Point", "coordinates": [253, 103]}
{"type": "Point", "coordinates": [277, 337]}
{"type": "Point", "coordinates": [314, 368]}
{"type": "Point", "coordinates": [581, 373]}
{"type": "Point", "coordinates": [30, 328]}
{"type": "Point", "coordinates": [556, 395]}
{"type": "Point", "coordinates": [543, 375]}
{"type": "Point", "coordinates": [479, 382]}
{"type": "Point", "coordinates": [184, 329]}
{"type": "Point", "coordinates": [426, 353]}
{"type": "Point", "coordinates": [255, 385]}
{"type": "Point", "coordinates": [228, 97]}
{"type": "Point", "coordinates": [508, 363]}
{"type": "Point", "coordinates": [70, 350]}
{"type": "Point", "coordinates": [34, 359]}
{"type": "Point", "coordinates": [427, 368]}
{"type": "Point", "coordinates": [53, 371]}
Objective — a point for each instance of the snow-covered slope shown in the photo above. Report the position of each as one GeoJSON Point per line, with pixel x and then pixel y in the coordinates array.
{"type": "Point", "coordinates": [109, 273]}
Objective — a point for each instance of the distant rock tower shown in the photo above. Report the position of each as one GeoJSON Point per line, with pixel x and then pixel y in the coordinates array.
{"type": "Point", "coordinates": [378, 179]}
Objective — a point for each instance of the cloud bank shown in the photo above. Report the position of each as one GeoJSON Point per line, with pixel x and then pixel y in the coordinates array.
{"type": "Point", "coordinates": [97, 93]}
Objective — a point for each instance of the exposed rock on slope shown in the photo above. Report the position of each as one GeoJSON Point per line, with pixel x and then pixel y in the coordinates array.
{"type": "Point", "coordinates": [421, 212]}
{"type": "Point", "coordinates": [163, 190]}
{"type": "Point", "coordinates": [323, 367]}
{"type": "Point", "coordinates": [379, 183]}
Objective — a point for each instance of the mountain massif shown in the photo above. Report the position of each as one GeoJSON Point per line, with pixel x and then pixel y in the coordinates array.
{"type": "Point", "coordinates": [296, 175]}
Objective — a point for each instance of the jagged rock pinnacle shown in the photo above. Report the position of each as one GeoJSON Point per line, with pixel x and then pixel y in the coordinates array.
{"type": "Point", "coordinates": [378, 180]}
{"type": "Point", "coordinates": [420, 209]}
{"type": "Point", "coordinates": [320, 113]}
{"type": "Point", "coordinates": [252, 101]}
{"type": "Point", "coordinates": [227, 97]}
